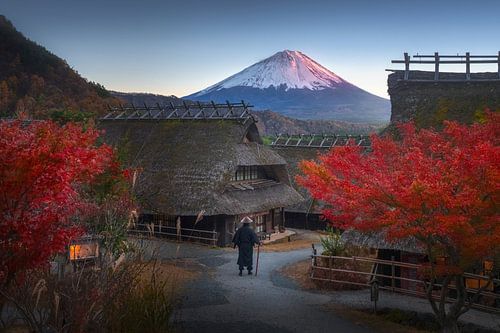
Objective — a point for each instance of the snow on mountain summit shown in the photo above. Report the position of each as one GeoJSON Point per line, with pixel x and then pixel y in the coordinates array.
{"type": "Point", "coordinates": [291, 83]}
{"type": "Point", "coordinates": [293, 69]}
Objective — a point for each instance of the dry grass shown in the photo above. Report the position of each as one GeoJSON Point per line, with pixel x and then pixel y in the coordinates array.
{"type": "Point", "coordinates": [177, 272]}
{"type": "Point", "coordinates": [300, 273]}
{"type": "Point", "coordinates": [375, 322]}
{"type": "Point", "coordinates": [302, 240]}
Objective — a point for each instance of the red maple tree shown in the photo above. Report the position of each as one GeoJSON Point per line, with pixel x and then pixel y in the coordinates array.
{"type": "Point", "coordinates": [440, 188]}
{"type": "Point", "coordinates": [43, 169]}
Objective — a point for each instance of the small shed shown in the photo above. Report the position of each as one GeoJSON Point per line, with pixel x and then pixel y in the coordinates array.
{"type": "Point", "coordinates": [402, 250]}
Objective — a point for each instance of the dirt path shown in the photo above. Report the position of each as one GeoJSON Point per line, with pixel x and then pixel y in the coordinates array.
{"type": "Point", "coordinates": [221, 301]}
{"type": "Point", "coordinates": [218, 300]}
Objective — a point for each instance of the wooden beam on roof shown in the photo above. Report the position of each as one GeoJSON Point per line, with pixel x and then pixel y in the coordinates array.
{"type": "Point", "coordinates": [335, 142]}
{"type": "Point", "coordinates": [323, 141]}
{"type": "Point", "coordinates": [199, 112]}
{"type": "Point", "coordinates": [436, 66]}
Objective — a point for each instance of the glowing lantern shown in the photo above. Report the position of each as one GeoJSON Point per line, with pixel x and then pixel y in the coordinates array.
{"type": "Point", "coordinates": [84, 249]}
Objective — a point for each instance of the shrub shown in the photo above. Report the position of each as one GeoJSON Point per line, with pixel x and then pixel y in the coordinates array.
{"type": "Point", "coordinates": [332, 243]}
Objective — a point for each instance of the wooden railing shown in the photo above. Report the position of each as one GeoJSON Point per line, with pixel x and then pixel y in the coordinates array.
{"type": "Point", "coordinates": [208, 237]}
{"type": "Point", "coordinates": [370, 276]}
{"type": "Point", "coordinates": [467, 59]}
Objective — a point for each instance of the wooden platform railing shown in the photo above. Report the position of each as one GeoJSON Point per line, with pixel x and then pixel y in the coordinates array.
{"type": "Point", "coordinates": [208, 237]}
{"type": "Point", "coordinates": [392, 286]}
{"type": "Point", "coordinates": [436, 59]}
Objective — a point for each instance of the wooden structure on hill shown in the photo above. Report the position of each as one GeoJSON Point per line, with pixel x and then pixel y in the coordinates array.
{"type": "Point", "coordinates": [203, 165]}
{"type": "Point", "coordinates": [430, 97]}
{"type": "Point", "coordinates": [438, 59]}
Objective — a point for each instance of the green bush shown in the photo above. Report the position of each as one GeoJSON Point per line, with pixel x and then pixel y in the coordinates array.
{"type": "Point", "coordinates": [332, 243]}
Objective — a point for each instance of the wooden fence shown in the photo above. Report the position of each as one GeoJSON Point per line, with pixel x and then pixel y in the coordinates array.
{"type": "Point", "coordinates": [208, 237]}
{"type": "Point", "coordinates": [466, 59]}
{"type": "Point", "coordinates": [413, 286]}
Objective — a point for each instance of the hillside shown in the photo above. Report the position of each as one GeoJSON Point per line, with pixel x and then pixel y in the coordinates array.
{"type": "Point", "coordinates": [145, 98]}
{"type": "Point", "coordinates": [36, 83]}
{"type": "Point", "coordinates": [268, 122]}
{"type": "Point", "coordinates": [272, 123]}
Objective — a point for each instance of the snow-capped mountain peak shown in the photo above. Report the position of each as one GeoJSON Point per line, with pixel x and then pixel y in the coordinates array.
{"type": "Point", "coordinates": [291, 83]}
{"type": "Point", "coordinates": [291, 69]}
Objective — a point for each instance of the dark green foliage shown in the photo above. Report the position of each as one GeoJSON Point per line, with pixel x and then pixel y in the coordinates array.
{"type": "Point", "coordinates": [65, 116]}
{"type": "Point", "coordinates": [268, 139]}
{"type": "Point", "coordinates": [100, 89]}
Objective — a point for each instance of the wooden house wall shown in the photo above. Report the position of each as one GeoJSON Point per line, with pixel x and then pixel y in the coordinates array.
{"type": "Point", "coordinates": [304, 221]}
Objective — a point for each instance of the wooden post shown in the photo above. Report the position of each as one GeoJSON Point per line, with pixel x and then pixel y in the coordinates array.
{"type": "Point", "coordinates": [330, 266]}
{"type": "Point", "coordinates": [315, 252]}
{"type": "Point", "coordinates": [407, 65]}
{"type": "Point", "coordinates": [393, 274]}
{"type": "Point", "coordinates": [436, 66]}
{"type": "Point", "coordinates": [498, 60]}
{"type": "Point", "coordinates": [467, 66]}
{"type": "Point", "coordinates": [313, 260]}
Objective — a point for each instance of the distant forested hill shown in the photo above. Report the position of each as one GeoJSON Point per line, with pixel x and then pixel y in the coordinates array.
{"type": "Point", "coordinates": [146, 98]}
{"type": "Point", "coordinates": [37, 83]}
{"type": "Point", "coordinates": [269, 123]}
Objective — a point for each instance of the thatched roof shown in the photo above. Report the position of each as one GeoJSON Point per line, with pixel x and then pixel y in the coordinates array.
{"type": "Point", "coordinates": [295, 148]}
{"type": "Point", "coordinates": [293, 156]}
{"type": "Point", "coordinates": [187, 165]}
{"type": "Point", "coordinates": [379, 241]}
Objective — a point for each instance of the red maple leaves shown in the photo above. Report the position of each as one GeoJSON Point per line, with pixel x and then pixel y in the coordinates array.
{"type": "Point", "coordinates": [441, 188]}
{"type": "Point", "coordinates": [43, 168]}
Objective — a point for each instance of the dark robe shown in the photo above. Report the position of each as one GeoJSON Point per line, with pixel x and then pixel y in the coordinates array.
{"type": "Point", "coordinates": [245, 238]}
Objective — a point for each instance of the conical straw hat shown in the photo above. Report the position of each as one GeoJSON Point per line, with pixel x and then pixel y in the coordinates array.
{"type": "Point", "coordinates": [246, 219]}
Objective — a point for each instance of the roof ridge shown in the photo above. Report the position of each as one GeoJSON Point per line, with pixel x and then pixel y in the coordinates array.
{"type": "Point", "coordinates": [185, 111]}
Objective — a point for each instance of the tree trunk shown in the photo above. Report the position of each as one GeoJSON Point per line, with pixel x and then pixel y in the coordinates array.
{"type": "Point", "coordinates": [450, 325]}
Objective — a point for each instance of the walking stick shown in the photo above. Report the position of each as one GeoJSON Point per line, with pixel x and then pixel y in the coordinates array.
{"type": "Point", "coordinates": [257, 264]}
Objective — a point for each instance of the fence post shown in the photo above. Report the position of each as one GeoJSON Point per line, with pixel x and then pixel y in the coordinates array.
{"type": "Point", "coordinates": [498, 60]}
{"type": "Point", "coordinates": [393, 273]}
{"type": "Point", "coordinates": [313, 261]}
{"type": "Point", "coordinates": [330, 266]}
{"type": "Point", "coordinates": [436, 66]}
{"type": "Point", "coordinates": [407, 65]}
{"type": "Point", "coordinates": [467, 66]}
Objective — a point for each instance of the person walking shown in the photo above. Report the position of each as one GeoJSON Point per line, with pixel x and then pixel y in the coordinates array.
{"type": "Point", "coordinates": [245, 238]}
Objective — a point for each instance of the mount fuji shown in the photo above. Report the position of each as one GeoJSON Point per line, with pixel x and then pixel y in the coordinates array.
{"type": "Point", "coordinates": [291, 83]}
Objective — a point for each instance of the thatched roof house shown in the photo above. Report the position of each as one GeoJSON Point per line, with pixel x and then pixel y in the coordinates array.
{"type": "Point", "coordinates": [296, 148]}
{"type": "Point", "coordinates": [202, 158]}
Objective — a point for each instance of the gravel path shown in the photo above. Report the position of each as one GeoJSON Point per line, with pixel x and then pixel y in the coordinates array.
{"type": "Point", "coordinates": [221, 301]}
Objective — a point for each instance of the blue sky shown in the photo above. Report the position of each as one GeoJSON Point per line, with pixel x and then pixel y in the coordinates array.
{"type": "Point", "coordinates": [179, 47]}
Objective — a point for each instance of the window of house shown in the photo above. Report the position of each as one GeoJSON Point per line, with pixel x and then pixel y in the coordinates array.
{"type": "Point", "coordinates": [249, 173]}
{"type": "Point", "coordinates": [260, 223]}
